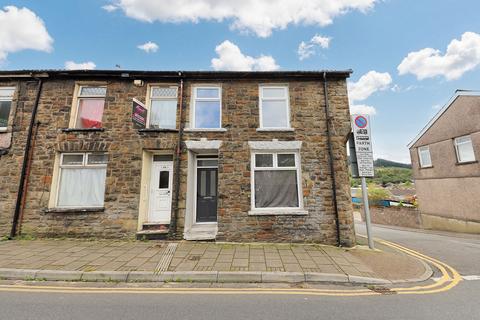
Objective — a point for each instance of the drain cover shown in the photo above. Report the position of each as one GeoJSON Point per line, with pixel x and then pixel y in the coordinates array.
{"type": "Point", "coordinates": [382, 290]}
{"type": "Point", "coordinates": [194, 257]}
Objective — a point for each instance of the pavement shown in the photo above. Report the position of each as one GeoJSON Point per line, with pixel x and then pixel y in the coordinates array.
{"type": "Point", "coordinates": [160, 261]}
{"type": "Point", "coordinates": [184, 300]}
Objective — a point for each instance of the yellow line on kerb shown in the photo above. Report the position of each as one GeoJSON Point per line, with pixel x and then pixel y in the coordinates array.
{"type": "Point", "coordinates": [446, 282]}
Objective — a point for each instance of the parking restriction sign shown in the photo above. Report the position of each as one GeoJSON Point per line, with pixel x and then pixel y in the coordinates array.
{"type": "Point", "coordinates": [363, 144]}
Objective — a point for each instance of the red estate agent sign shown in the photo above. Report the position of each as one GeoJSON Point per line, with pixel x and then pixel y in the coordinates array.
{"type": "Point", "coordinates": [139, 114]}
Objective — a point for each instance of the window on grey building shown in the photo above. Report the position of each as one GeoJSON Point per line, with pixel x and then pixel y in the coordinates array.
{"type": "Point", "coordinates": [276, 179]}
{"type": "Point", "coordinates": [6, 96]}
{"type": "Point", "coordinates": [163, 107]}
{"type": "Point", "coordinates": [274, 107]}
{"type": "Point", "coordinates": [89, 108]}
{"type": "Point", "coordinates": [464, 149]}
{"type": "Point", "coordinates": [81, 180]}
{"type": "Point", "coordinates": [424, 156]}
{"type": "Point", "coordinates": [207, 108]}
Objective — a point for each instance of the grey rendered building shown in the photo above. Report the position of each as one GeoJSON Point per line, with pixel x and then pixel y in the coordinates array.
{"type": "Point", "coordinates": [445, 166]}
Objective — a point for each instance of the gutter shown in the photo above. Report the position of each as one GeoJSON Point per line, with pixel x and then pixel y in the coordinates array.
{"type": "Point", "coordinates": [328, 119]}
{"type": "Point", "coordinates": [178, 155]}
{"type": "Point", "coordinates": [26, 159]}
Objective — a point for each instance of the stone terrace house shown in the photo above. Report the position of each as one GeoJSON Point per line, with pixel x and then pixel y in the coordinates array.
{"type": "Point", "coordinates": [231, 156]}
{"type": "Point", "coordinates": [445, 166]}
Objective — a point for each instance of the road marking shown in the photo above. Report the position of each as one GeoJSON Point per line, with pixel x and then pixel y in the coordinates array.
{"type": "Point", "coordinates": [449, 279]}
{"type": "Point", "coordinates": [471, 278]}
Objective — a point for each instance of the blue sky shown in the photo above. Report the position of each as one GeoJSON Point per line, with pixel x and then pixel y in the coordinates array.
{"type": "Point", "coordinates": [365, 35]}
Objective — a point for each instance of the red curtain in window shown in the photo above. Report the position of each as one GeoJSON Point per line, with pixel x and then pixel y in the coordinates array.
{"type": "Point", "coordinates": [90, 112]}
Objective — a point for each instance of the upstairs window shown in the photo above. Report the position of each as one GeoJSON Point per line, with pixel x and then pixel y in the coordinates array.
{"type": "Point", "coordinates": [464, 149]}
{"type": "Point", "coordinates": [276, 180]}
{"type": "Point", "coordinates": [207, 108]}
{"type": "Point", "coordinates": [81, 180]}
{"type": "Point", "coordinates": [6, 96]}
{"type": "Point", "coordinates": [424, 156]}
{"type": "Point", "coordinates": [274, 107]}
{"type": "Point", "coordinates": [89, 108]}
{"type": "Point", "coordinates": [163, 107]}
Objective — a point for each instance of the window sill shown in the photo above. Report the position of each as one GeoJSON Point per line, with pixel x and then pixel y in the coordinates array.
{"type": "Point", "coordinates": [3, 129]}
{"type": "Point", "coordinates": [205, 130]}
{"type": "Point", "coordinates": [278, 212]}
{"type": "Point", "coordinates": [74, 210]}
{"type": "Point", "coordinates": [275, 129]}
{"type": "Point", "coordinates": [156, 130]}
{"type": "Point", "coordinates": [83, 130]}
{"type": "Point", "coordinates": [466, 162]}
{"type": "Point", "coordinates": [428, 167]}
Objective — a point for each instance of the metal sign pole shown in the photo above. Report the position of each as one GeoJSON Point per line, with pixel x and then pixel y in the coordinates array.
{"type": "Point", "coordinates": [366, 208]}
{"type": "Point", "coordinates": [364, 162]}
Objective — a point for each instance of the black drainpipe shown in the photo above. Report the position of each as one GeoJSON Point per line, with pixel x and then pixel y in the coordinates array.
{"type": "Point", "coordinates": [26, 157]}
{"type": "Point", "coordinates": [330, 155]}
{"type": "Point", "coordinates": [178, 155]}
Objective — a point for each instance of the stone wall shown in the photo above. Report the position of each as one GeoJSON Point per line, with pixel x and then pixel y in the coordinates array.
{"type": "Point", "coordinates": [125, 144]}
{"type": "Point", "coordinates": [13, 143]}
{"type": "Point", "coordinates": [395, 216]}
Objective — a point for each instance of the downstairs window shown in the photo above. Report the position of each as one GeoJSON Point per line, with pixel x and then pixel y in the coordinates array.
{"type": "Point", "coordinates": [81, 180]}
{"type": "Point", "coordinates": [276, 180]}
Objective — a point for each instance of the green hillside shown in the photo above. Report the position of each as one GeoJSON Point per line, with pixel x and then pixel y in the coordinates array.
{"type": "Point", "coordinates": [387, 163]}
{"type": "Point", "coordinates": [388, 172]}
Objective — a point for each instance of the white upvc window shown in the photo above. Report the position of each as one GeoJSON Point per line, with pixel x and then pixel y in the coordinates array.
{"type": "Point", "coordinates": [162, 111]}
{"type": "Point", "coordinates": [88, 107]}
{"type": "Point", "coordinates": [424, 156]}
{"type": "Point", "coordinates": [276, 181]}
{"type": "Point", "coordinates": [274, 107]}
{"type": "Point", "coordinates": [207, 107]}
{"type": "Point", "coordinates": [6, 97]}
{"type": "Point", "coordinates": [81, 180]}
{"type": "Point", "coordinates": [464, 149]}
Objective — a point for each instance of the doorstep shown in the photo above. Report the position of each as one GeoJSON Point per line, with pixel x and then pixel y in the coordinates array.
{"type": "Point", "coordinates": [198, 232]}
{"type": "Point", "coordinates": [152, 234]}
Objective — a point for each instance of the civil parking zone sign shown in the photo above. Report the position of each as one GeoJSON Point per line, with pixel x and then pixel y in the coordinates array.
{"type": "Point", "coordinates": [363, 144]}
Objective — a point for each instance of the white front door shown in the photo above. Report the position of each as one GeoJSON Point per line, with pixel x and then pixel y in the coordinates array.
{"type": "Point", "coordinates": [160, 204]}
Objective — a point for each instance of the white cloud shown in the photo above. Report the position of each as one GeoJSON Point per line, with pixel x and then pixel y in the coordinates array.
{"type": "Point", "coordinates": [71, 65]}
{"type": "Point", "coordinates": [307, 49]}
{"type": "Point", "coordinates": [461, 56]}
{"type": "Point", "coordinates": [230, 58]}
{"type": "Point", "coordinates": [22, 29]}
{"type": "Point", "coordinates": [148, 47]}
{"type": "Point", "coordinates": [258, 16]}
{"type": "Point", "coordinates": [369, 83]}
{"type": "Point", "coordinates": [323, 42]}
{"type": "Point", "coordinates": [110, 8]}
{"type": "Point", "coordinates": [362, 109]}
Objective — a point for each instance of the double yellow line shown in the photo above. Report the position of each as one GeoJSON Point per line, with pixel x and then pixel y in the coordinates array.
{"type": "Point", "coordinates": [450, 278]}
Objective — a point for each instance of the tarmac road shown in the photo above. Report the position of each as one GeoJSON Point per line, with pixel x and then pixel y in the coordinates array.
{"type": "Point", "coordinates": [461, 302]}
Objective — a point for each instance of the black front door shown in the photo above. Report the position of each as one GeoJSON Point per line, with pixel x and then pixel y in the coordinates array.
{"type": "Point", "coordinates": [207, 194]}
